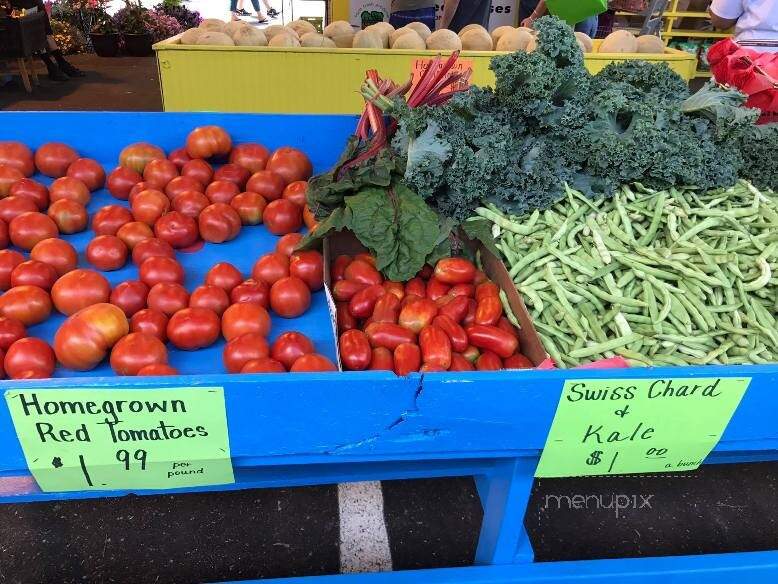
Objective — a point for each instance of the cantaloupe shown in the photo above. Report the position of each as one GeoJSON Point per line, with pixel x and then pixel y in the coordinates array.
{"type": "Point", "coordinates": [314, 39]}
{"type": "Point", "coordinates": [648, 43]}
{"type": "Point", "coordinates": [382, 32]}
{"type": "Point", "coordinates": [283, 39]}
{"type": "Point", "coordinates": [301, 27]}
{"type": "Point", "coordinates": [273, 30]}
{"type": "Point", "coordinates": [619, 41]}
{"type": "Point", "coordinates": [514, 40]}
{"type": "Point", "coordinates": [410, 40]}
{"type": "Point", "coordinates": [248, 36]}
{"type": "Point", "coordinates": [470, 27]}
{"type": "Point", "coordinates": [476, 40]}
{"type": "Point", "coordinates": [190, 36]}
{"type": "Point", "coordinates": [531, 31]}
{"type": "Point", "coordinates": [232, 26]}
{"type": "Point", "coordinates": [213, 24]}
{"type": "Point", "coordinates": [343, 41]}
{"type": "Point", "coordinates": [498, 32]}
{"type": "Point", "coordinates": [215, 38]}
{"type": "Point", "coordinates": [532, 44]}
{"type": "Point", "coordinates": [444, 40]}
{"type": "Point", "coordinates": [421, 29]}
{"type": "Point", "coordinates": [338, 28]}
{"type": "Point", "coordinates": [584, 41]}
{"type": "Point", "coordinates": [366, 39]}
{"type": "Point", "coordinates": [398, 33]}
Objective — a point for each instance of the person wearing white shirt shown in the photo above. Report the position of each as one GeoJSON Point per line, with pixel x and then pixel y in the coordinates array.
{"type": "Point", "coordinates": [754, 21]}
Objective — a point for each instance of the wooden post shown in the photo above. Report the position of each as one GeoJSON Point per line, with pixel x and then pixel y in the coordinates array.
{"type": "Point", "coordinates": [23, 72]}
{"type": "Point", "coordinates": [33, 71]}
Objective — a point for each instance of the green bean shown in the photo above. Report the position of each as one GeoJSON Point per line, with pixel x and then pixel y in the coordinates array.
{"type": "Point", "coordinates": [606, 346]}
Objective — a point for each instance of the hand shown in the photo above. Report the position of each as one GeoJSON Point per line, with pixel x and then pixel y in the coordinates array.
{"type": "Point", "coordinates": [527, 22]}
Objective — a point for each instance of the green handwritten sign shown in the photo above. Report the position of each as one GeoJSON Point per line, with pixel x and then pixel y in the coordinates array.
{"type": "Point", "coordinates": [621, 426]}
{"type": "Point", "coordinates": [102, 439]}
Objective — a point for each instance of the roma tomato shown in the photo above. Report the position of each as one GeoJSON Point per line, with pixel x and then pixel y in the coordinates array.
{"type": "Point", "coordinates": [309, 267]}
{"type": "Point", "coordinates": [345, 320]}
{"type": "Point", "coordinates": [387, 309]}
{"type": "Point", "coordinates": [218, 223]}
{"type": "Point", "coordinates": [110, 218]}
{"type": "Point", "coordinates": [435, 347]}
{"type": "Point", "coordinates": [222, 191]}
{"type": "Point", "coordinates": [69, 188]}
{"type": "Point", "coordinates": [223, 275]}
{"type": "Point", "coordinates": [436, 289]}
{"type": "Point", "coordinates": [462, 290]}
{"type": "Point", "coordinates": [133, 233]}
{"type": "Point", "coordinates": [456, 309]}
{"type": "Point", "coordinates": [58, 253]}
{"type": "Point", "coordinates": [282, 216]}
{"type": "Point", "coordinates": [252, 157]}
{"type": "Point", "coordinates": [312, 362]}
{"type": "Point", "coordinates": [176, 229]}
{"type": "Point", "coordinates": [389, 335]}
{"type": "Point", "coordinates": [130, 296]}
{"type": "Point", "coordinates": [85, 338]}
{"type": "Point", "coordinates": [121, 180]}
{"type": "Point", "coordinates": [151, 322]}
{"type": "Point", "coordinates": [88, 171]}
{"type": "Point", "coordinates": [471, 353]}
{"type": "Point", "coordinates": [190, 203]}
{"type": "Point", "coordinates": [456, 334]}
{"type": "Point", "coordinates": [366, 257]}
{"type": "Point", "coordinates": [355, 351]}
{"type": "Point", "coordinates": [407, 359]}
{"type": "Point", "coordinates": [158, 269]}
{"type": "Point", "coordinates": [9, 259]}
{"type": "Point", "coordinates": [183, 184]}
{"type": "Point", "coordinates": [243, 318]}
{"type": "Point", "coordinates": [28, 304]}
{"type": "Point", "coordinates": [486, 289]}
{"type": "Point", "coordinates": [5, 240]}
{"type": "Point", "coordinates": [344, 290]}
{"type": "Point", "coordinates": [381, 360]}
{"type": "Point", "coordinates": [158, 173]}
{"type": "Point", "coordinates": [137, 156]}
{"type": "Point", "coordinates": [17, 155]}
{"type": "Point", "coordinates": [417, 314]}
{"type": "Point", "coordinates": [459, 363]}
{"type": "Point", "coordinates": [78, 289]}
{"type": "Point", "coordinates": [136, 351]}
{"type": "Point", "coordinates": [29, 355]}
{"type": "Point", "coordinates": [107, 253]}
{"type": "Point", "coordinates": [290, 297]}
{"type": "Point", "coordinates": [251, 291]}
{"type": "Point", "coordinates": [149, 248]}
{"type": "Point", "coordinates": [455, 271]}
{"type": "Point", "coordinates": [250, 207]}
{"type": "Point", "coordinates": [469, 318]}
{"type": "Point", "coordinates": [232, 173]}
{"type": "Point", "coordinates": [179, 157]}
{"type": "Point", "coordinates": [157, 370]}
{"type": "Point", "coordinates": [210, 297]}
{"type": "Point", "coordinates": [149, 205]}
{"type": "Point", "coordinates": [11, 330]}
{"type": "Point", "coordinates": [517, 361]}
{"type": "Point", "coordinates": [488, 310]}
{"type": "Point", "coordinates": [292, 164]}
{"type": "Point", "coordinates": [338, 268]}
{"type": "Point", "coordinates": [288, 242]}
{"type": "Point", "coordinates": [242, 349]}
{"type": "Point", "coordinates": [31, 189]}
{"type": "Point", "coordinates": [193, 328]}
{"type": "Point", "coordinates": [53, 158]}
{"type": "Point", "coordinates": [266, 365]}
{"type": "Point", "coordinates": [362, 272]}
{"type": "Point", "coordinates": [506, 325]}
{"type": "Point", "coordinates": [488, 361]}
{"type": "Point", "coordinates": [34, 273]}
{"type": "Point", "coordinates": [208, 141]}
{"type": "Point", "coordinates": [270, 268]}
{"type": "Point", "coordinates": [363, 302]}
{"type": "Point", "coordinates": [8, 176]}
{"type": "Point", "coordinates": [13, 206]}
{"type": "Point", "coordinates": [268, 184]}
{"type": "Point", "coordinates": [199, 170]}
{"type": "Point", "coordinates": [29, 228]}
{"type": "Point", "coordinates": [289, 347]}
{"type": "Point", "coordinates": [167, 298]}
{"type": "Point", "coordinates": [491, 338]}
{"type": "Point", "coordinates": [295, 192]}
{"type": "Point", "coordinates": [395, 289]}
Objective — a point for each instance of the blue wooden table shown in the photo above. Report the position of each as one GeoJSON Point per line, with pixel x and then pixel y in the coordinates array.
{"type": "Point", "coordinates": [317, 428]}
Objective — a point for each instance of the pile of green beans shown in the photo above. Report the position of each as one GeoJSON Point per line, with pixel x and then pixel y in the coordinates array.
{"type": "Point", "coordinates": [675, 277]}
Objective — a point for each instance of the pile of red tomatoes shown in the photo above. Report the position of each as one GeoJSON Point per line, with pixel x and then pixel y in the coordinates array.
{"type": "Point", "coordinates": [175, 203]}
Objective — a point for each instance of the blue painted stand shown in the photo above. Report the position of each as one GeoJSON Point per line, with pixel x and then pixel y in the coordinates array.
{"type": "Point", "coordinates": [317, 428]}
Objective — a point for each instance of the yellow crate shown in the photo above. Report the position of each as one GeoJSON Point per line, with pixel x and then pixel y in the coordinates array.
{"type": "Point", "coordinates": [316, 81]}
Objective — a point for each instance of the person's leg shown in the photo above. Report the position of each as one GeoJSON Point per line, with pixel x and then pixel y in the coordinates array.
{"type": "Point", "coordinates": [588, 26]}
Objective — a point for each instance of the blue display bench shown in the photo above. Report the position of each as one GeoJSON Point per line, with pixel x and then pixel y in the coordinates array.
{"type": "Point", "coordinates": [306, 429]}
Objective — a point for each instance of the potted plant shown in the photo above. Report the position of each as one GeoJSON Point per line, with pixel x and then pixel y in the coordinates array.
{"type": "Point", "coordinates": [105, 37]}
{"type": "Point", "coordinates": [133, 22]}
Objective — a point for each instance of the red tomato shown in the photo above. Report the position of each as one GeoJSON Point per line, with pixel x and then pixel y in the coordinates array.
{"type": "Point", "coordinates": [88, 171]}
{"type": "Point", "coordinates": [366, 257]}
{"type": "Point", "coordinates": [455, 271]}
{"type": "Point", "coordinates": [344, 290]}
{"type": "Point", "coordinates": [252, 157]}
{"type": "Point", "coordinates": [210, 297]}
{"type": "Point", "coordinates": [309, 267]}
{"type": "Point", "coordinates": [199, 170]}
{"type": "Point", "coordinates": [29, 355]}
{"type": "Point", "coordinates": [158, 173]}
{"type": "Point", "coordinates": [488, 361]}
{"type": "Point", "coordinates": [34, 273]}
{"type": "Point", "coordinates": [389, 335]}
{"type": "Point", "coordinates": [387, 309]}
{"type": "Point", "coordinates": [26, 187]}
{"type": "Point", "coordinates": [290, 297]}
{"type": "Point", "coordinates": [219, 223]}
{"type": "Point", "coordinates": [295, 192]}
{"type": "Point", "coordinates": [176, 229]}
{"type": "Point", "coordinates": [29, 228]}
{"type": "Point", "coordinates": [69, 216]}
{"type": "Point", "coordinates": [471, 353]}
{"type": "Point", "coordinates": [151, 322]}
{"type": "Point", "coordinates": [459, 363]}
{"type": "Point", "coordinates": [492, 339]}
{"type": "Point", "coordinates": [121, 180]}
{"type": "Point", "coordinates": [84, 339]}
{"type": "Point", "coordinates": [138, 188]}
{"type": "Point", "coordinates": [58, 253]}
{"type": "Point", "coordinates": [222, 191]}
{"type": "Point", "coordinates": [53, 158]}
{"type": "Point", "coordinates": [78, 289]}
{"type": "Point", "coordinates": [69, 188]}
{"type": "Point", "coordinates": [363, 302]}
{"type": "Point", "coordinates": [407, 359]}
{"type": "Point", "coordinates": [193, 328]}
{"type": "Point", "coordinates": [250, 207]}
{"type": "Point", "coordinates": [137, 156]}
{"type": "Point", "coordinates": [11, 330]}
{"type": "Point", "coordinates": [149, 248]}
{"type": "Point", "coordinates": [338, 268]}
{"type": "Point", "coordinates": [355, 351]}
{"type": "Point", "coordinates": [167, 298]}
{"type": "Point", "coordinates": [28, 304]}
{"type": "Point", "coordinates": [5, 240]}
{"type": "Point", "coordinates": [418, 314]}
{"type": "Point", "coordinates": [242, 349]}
{"type": "Point", "coordinates": [136, 351]}
{"type": "Point", "coordinates": [179, 157]}
{"type": "Point", "coordinates": [13, 206]}
{"type": "Point", "coordinates": [408, 299]}
{"type": "Point", "coordinates": [456, 309]}
{"type": "Point", "coordinates": [183, 184]}
{"type": "Point", "coordinates": [312, 362]}
{"type": "Point", "coordinates": [469, 318]}
{"type": "Point", "coordinates": [156, 370]}
{"type": "Point", "coordinates": [517, 361]}
{"type": "Point", "coordinates": [435, 347]}
{"type": "Point", "coordinates": [224, 275]}
{"type": "Point", "coordinates": [208, 141]}
{"type": "Point", "coordinates": [270, 268]}
{"type": "Point", "coordinates": [456, 334]}
{"type": "Point", "coordinates": [149, 205]}
{"type": "Point", "coordinates": [158, 269]}
{"type": "Point", "coordinates": [109, 219]}
{"type": "Point", "coordinates": [289, 347]}
{"type": "Point", "coordinates": [436, 289]}
{"type": "Point", "coordinates": [288, 242]}
{"type": "Point", "coordinates": [292, 164]}
{"type": "Point", "coordinates": [362, 272]}
{"type": "Point", "coordinates": [133, 233]}
{"type": "Point", "coordinates": [282, 216]}
{"type": "Point", "coordinates": [505, 325]}
{"type": "Point", "coordinates": [18, 156]}
{"type": "Point", "coordinates": [243, 318]}
{"type": "Point", "coordinates": [343, 317]}
{"type": "Point", "coordinates": [425, 273]}
{"type": "Point", "coordinates": [106, 253]}
{"type": "Point", "coordinates": [130, 296]}
{"type": "Point", "coordinates": [190, 203]}
{"type": "Point", "coordinates": [268, 184]}
{"type": "Point", "coordinates": [9, 259]}
{"type": "Point", "coordinates": [251, 291]}
{"type": "Point", "coordinates": [266, 365]}
{"type": "Point", "coordinates": [462, 290]}
{"type": "Point", "coordinates": [309, 219]}
{"type": "Point", "coordinates": [381, 360]}
{"type": "Point", "coordinates": [486, 289]}
{"type": "Point", "coordinates": [488, 310]}
{"type": "Point", "coordinates": [395, 288]}
{"type": "Point", "coordinates": [232, 173]}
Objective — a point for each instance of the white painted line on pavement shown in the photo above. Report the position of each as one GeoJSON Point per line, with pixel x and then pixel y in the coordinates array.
{"type": "Point", "coordinates": [364, 542]}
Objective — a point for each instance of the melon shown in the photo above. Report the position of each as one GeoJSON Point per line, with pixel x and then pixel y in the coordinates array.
{"type": "Point", "coordinates": [213, 24]}
{"type": "Point", "coordinates": [584, 41]}
{"type": "Point", "coordinates": [338, 28]}
{"type": "Point", "coordinates": [301, 27]}
{"type": "Point", "coordinates": [410, 40]}
{"type": "Point", "coordinates": [476, 40]}
{"type": "Point", "coordinates": [514, 40]}
{"type": "Point", "coordinates": [398, 33]}
{"type": "Point", "coordinates": [382, 32]}
{"type": "Point", "coordinates": [232, 26]}
{"type": "Point", "coordinates": [314, 39]}
{"type": "Point", "coordinates": [343, 41]}
{"type": "Point", "coordinates": [444, 40]}
{"type": "Point", "coordinates": [619, 41]}
{"type": "Point", "coordinates": [190, 36]}
{"type": "Point", "coordinates": [498, 32]}
{"type": "Point", "coordinates": [531, 45]}
{"type": "Point", "coordinates": [273, 30]}
{"type": "Point", "coordinates": [648, 43]}
{"type": "Point", "coordinates": [470, 27]}
{"type": "Point", "coordinates": [248, 36]}
{"type": "Point", "coordinates": [215, 38]}
{"type": "Point", "coordinates": [283, 39]}
{"type": "Point", "coordinates": [421, 29]}
{"type": "Point", "coordinates": [366, 39]}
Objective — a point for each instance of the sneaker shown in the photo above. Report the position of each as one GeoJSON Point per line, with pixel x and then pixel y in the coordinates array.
{"type": "Point", "coordinates": [71, 70]}
{"type": "Point", "coordinates": [243, 12]}
{"type": "Point", "coordinates": [272, 13]}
